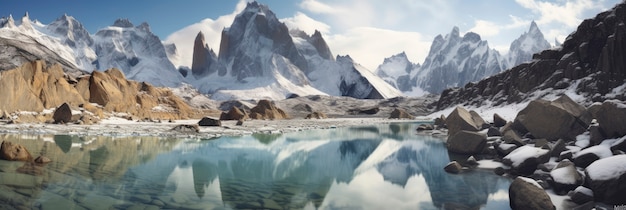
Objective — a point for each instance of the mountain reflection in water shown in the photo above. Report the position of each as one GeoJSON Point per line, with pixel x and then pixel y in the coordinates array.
{"type": "Point", "coordinates": [373, 167]}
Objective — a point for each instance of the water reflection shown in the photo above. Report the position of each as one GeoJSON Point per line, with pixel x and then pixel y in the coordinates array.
{"type": "Point", "coordinates": [378, 167]}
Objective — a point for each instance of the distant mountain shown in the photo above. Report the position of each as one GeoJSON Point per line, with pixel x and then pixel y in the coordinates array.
{"type": "Point", "coordinates": [454, 61]}
{"type": "Point", "coordinates": [396, 70]}
{"type": "Point", "coordinates": [137, 52]}
{"type": "Point", "coordinates": [590, 65]}
{"type": "Point", "coordinates": [134, 50]}
{"type": "Point", "coordinates": [529, 43]}
{"type": "Point", "coordinates": [260, 57]}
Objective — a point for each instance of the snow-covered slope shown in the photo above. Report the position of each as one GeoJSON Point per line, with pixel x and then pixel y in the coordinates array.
{"type": "Point", "coordinates": [396, 70]}
{"type": "Point", "coordinates": [137, 52]}
{"type": "Point", "coordinates": [529, 43]}
{"type": "Point", "coordinates": [134, 50]}
{"type": "Point", "coordinates": [260, 58]}
{"type": "Point", "coordinates": [454, 61]}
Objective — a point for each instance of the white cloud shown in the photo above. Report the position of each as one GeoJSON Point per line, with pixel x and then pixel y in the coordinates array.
{"type": "Point", "coordinates": [370, 46]}
{"type": "Point", "coordinates": [212, 30]}
{"type": "Point", "coordinates": [564, 12]}
{"type": "Point", "coordinates": [305, 23]}
{"type": "Point", "coordinates": [485, 28]}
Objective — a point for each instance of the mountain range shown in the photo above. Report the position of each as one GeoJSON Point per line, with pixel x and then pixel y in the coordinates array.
{"type": "Point", "coordinates": [259, 57]}
{"type": "Point", "coordinates": [454, 61]}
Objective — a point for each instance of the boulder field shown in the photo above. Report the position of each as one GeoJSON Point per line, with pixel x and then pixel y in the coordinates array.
{"type": "Point", "coordinates": [36, 86]}
{"type": "Point", "coordinates": [550, 143]}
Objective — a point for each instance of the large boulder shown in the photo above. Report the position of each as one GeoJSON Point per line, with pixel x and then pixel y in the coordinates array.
{"type": "Point", "coordinates": [234, 114]}
{"type": "Point", "coordinates": [399, 113]}
{"type": "Point", "coordinates": [14, 152]}
{"type": "Point", "coordinates": [607, 179]}
{"type": "Point", "coordinates": [467, 142]}
{"type": "Point", "coordinates": [207, 121]}
{"type": "Point", "coordinates": [461, 120]}
{"type": "Point", "coordinates": [561, 118]}
{"type": "Point", "coordinates": [565, 177]}
{"type": "Point", "coordinates": [611, 117]}
{"type": "Point", "coordinates": [265, 110]}
{"type": "Point", "coordinates": [526, 193]}
{"type": "Point", "coordinates": [524, 160]}
{"type": "Point", "coordinates": [63, 114]}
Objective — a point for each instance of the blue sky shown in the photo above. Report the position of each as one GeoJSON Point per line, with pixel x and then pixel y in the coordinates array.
{"type": "Point", "coordinates": [368, 30]}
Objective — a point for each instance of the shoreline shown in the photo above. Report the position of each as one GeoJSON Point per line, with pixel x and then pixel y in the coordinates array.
{"type": "Point", "coordinates": [122, 127]}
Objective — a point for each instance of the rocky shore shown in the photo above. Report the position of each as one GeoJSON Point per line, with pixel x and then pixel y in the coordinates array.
{"type": "Point", "coordinates": [557, 146]}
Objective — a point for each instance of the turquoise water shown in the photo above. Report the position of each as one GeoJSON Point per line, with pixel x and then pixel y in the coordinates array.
{"type": "Point", "coordinates": [373, 167]}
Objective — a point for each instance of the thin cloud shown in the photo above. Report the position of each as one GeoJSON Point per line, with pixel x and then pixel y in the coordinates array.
{"type": "Point", "coordinates": [305, 23]}
{"type": "Point", "coordinates": [212, 30]}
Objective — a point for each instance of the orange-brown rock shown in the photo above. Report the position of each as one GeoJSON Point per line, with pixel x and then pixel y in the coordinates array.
{"type": "Point", "coordinates": [234, 114]}
{"type": "Point", "coordinates": [36, 86]}
{"type": "Point", "coordinates": [265, 110]}
{"type": "Point", "coordinates": [14, 152]}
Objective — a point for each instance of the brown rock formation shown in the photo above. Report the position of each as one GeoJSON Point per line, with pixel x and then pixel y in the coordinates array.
{"type": "Point", "coordinates": [316, 115]}
{"type": "Point", "coordinates": [203, 57]}
{"type": "Point", "coordinates": [265, 110]}
{"type": "Point", "coordinates": [234, 114]}
{"type": "Point", "coordinates": [35, 86]}
{"type": "Point", "coordinates": [399, 113]}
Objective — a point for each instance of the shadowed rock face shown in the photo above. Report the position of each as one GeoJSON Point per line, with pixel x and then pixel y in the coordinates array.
{"type": "Point", "coordinates": [593, 55]}
{"type": "Point", "coordinates": [204, 58]}
{"type": "Point", "coordinates": [268, 35]}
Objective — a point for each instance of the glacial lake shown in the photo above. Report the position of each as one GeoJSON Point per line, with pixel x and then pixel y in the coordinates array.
{"type": "Point", "coordinates": [373, 167]}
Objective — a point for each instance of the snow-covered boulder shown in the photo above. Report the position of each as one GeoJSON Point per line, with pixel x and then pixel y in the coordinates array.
{"type": "Point", "coordinates": [467, 142]}
{"type": "Point", "coordinates": [561, 118]}
{"type": "Point", "coordinates": [591, 154]}
{"type": "Point", "coordinates": [526, 193]}
{"type": "Point", "coordinates": [565, 177]}
{"type": "Point", "coordinates": [581, 195]}
{"type": "Point", "coordinates": [461, 119]}
{"type": "Point", "coordinates": [607, 179]}
{"type": "Point", "coordinates": [524, 160]}
{"type": "Point", "coordinates": [611, 117]}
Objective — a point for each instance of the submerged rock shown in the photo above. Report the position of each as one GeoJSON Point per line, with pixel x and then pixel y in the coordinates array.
{"type": "Point", "coordinates": [14, 152]}
{"type": "Point", "coordinates": [453, 168]}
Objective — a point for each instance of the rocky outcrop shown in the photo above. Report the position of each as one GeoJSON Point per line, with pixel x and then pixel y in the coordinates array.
{"type": "Point", "coordinates": [591, 61]}
{"type": "Point", "coordinates": [525, 193]}
{"type": "Point", "coordinates": [561, 118]}
{"type": "Point", "coordinates": [453, 168]}
{"type": "Point", "coordinates": [14, 152]}
{"type": "Point", "coordinates": [187, 128]}
{"type": "Point", "coordinates": [234, 114]}
{"type": "Point", "coordinates": [266, 110]}
{"type": "Point", "coordinates": [204, 59]}
{"type": "Point", "coordinates": [611, 116]}
{"type": "Point", "coordinates": [35, 86]}
{"type": "Point", "coordinates": [399, 113]}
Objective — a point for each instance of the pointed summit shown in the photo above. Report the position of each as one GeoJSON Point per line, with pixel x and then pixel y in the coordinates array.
{"type": "Point", "coordinates": [533, 28]}
{"type": "Point", "coordinates": [529, 43]}
{"type": "Point", "coordinates": [455, 31]}
{"type": "Point", "coordinates": [203, 57]}
{"type": "Point", "coordinates": [123, 23]}
{"type": "Point", "coordinates": [26, 23]}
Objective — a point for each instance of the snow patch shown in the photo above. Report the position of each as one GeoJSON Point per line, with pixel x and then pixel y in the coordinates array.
{"type": "Point", "coordinates": [519, 155]}
{"type": "Point", "coordinates": [607, 168]}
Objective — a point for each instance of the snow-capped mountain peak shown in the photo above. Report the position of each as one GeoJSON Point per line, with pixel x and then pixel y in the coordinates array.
{"type": "Point", "coordinates": [529, 43]}
{"type": "Point", "coordinates": [396, 71]}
